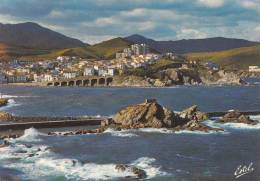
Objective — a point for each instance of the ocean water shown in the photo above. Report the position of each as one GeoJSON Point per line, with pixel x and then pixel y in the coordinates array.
{"type": "Point", "coordinates": [163, 154]}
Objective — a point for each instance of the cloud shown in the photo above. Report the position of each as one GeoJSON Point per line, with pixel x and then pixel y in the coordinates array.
{"type": "Point", "coordinates": [98, 20]}
{"type": "Point", "coordinates": [190, 33]}
{"type": "Point", "coordinates": [211, 3]}
{"type": "Point", "coordinates": [251, 4]}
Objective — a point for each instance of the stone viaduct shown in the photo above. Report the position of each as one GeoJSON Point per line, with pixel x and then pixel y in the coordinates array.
{"type": "Point", "coordinates": [92, 81]}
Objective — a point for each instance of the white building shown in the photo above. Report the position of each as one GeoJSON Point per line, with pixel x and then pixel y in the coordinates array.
{"type": "Point", "coordinates": [110, 72]}
{"type": "Point", "coordinates": [17, 78]}
{"type": "Point", "coordinates": [43, 78]}
{"type": "Point", "coordinates": [140, 49]}
{"type": "Point", "coordinates": [89, 72]}
{"type": "Point", "coordinates": [70, 75]}
{"type": "Point", "coordinates": [102, 72]}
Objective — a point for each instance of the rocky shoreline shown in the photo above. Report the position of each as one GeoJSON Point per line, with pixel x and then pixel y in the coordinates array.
{"type": "Point", "coordinates": [174, 77]}
{"type": "Point", "coordinates": [149, 114]}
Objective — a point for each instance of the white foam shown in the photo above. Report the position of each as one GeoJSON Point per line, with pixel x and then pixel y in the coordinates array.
{"type": "Point", "coordinates": [231, 125]}
{"type": "Point", "coordinates": [145, 163]}
{"type": "Point", "coordinates": [22, 151]}
{"type": "Point", "coordinates": [155, 130]}
{"type": "Point", "coordinates": [255, 117]}
{"type": "Point", "coordinates": [74, 170]}
{"type": "Point", "coordinates": [9, 96]}
{"type": "Point", "coordinates": [11, 103]}
{"type": "Point", "coordinates": [15, 96]}
{"type": "Point", "coordinates": [30, 135]}
{"type": "Point", "coordinates": [241, 126]}
{"type": "Point", "coordinates": [200, 132]}
{"type": "Point", "coordinates": [122, 133]}
{"type": "Point", "coordinates": [44, 164]}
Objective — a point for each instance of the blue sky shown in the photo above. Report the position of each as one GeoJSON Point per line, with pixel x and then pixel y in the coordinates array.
{"type": "Point", "coordinates": [97, 20]}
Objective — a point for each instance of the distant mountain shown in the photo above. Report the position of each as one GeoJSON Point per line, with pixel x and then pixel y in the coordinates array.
{"type": "Point", "coordinates": [238, 58]}
{"type": "Point", "coordinates": [103, 50]}
{"type": "Point", "coordinates": [33, 36]}
{"type": "Point", "coordinates": [193, 45]}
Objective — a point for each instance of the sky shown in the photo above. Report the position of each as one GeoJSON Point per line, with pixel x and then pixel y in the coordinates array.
{"type": "Point", "coordinates": [94, 21]}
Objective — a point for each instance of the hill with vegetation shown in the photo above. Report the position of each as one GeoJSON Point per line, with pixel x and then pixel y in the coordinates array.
{"type": "Point", "coordinates": [193, 45]}
{"type": "Point", "coordinates": [108, 49]}
{"type": "Point", "coordinates": [239, 58]}
{"type": "Point", "coordinates": [103, 50]}
{"type": "Point", "coordinates": [7, 52]}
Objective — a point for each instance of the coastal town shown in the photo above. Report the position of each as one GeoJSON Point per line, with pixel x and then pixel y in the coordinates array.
{"type": "Point", "coordinates": [72, 67]}
{"type": "Point", "coordinates": [69, 67]}
{"type": "Point", "coordinates": [97, 90]}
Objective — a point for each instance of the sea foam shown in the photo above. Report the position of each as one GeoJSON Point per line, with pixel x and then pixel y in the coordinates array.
{"type": "Point", "coordinates": [11, 103]}
{"type": "Point", "coordinates": [73, 169]}
{"type": "Point", "coordinates": [122, 133]}
{"type": "Point", "coordinates": [30, 135]}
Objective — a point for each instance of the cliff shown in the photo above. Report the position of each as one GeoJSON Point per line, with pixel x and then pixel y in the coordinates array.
{"type": "Point", "coordinates": [172, 77]}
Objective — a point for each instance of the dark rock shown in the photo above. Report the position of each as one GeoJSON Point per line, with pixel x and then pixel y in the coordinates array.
{"type": "Point", "coordinates": [198, 126]}
{"type": "Point", "coordinates": [140, 174]}
{"type": "Point", "coordinates": [106, 122]}
{"type": "Point", "coordinates": [237, 117]}
{"type": "Point", "coordinates": [3, 102]}
{"type": "Point", "coordinates": [151, 114]}
{"type": "Point", "coordinates": [147, 114]}
{"type": "Point", "coordinates": [193, 113]}
{"type": "Point", "coordinates": [121, 167]}
{"type": "Point", "coordinates": [4, 116]}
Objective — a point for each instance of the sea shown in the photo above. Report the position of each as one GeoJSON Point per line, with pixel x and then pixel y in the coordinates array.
{"type": "Point", "coordinates": [161, 153]}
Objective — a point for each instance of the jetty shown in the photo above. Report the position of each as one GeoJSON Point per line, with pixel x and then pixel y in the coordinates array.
{"type": "Point", "coordinates": [22, 123]}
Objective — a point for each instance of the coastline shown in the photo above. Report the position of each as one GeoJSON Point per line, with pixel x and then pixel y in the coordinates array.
{"type": "Point", "coordinates": [121, 86]}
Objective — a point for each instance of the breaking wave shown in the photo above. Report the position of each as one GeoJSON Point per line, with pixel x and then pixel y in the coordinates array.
{"type": "Point", "coordinates": [122, 133]}
{"type": "Point", "coordinates": [241, 126]}
{"type": "Point", "coordinates": [11, 103]}
{"type": "Point", "coordinates": [30, 135]}
{"type": "Point", "coordinates": [39, 162]}
{"type": "Point", "coordinates": [15, 96]}
{"type": "Point", "coordinates": [232, 125]}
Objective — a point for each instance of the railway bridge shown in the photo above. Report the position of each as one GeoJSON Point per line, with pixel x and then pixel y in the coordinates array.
{"type": "Point", "coordinates": [90, 81]}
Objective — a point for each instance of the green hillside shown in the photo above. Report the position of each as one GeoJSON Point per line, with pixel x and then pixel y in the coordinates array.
{"type": "Point", "coordinates": [82, 52]}
{"type": "Point", "coordinates": [13, 51]}
{"type": "Point", "coordinates": [239, 58]}
{"type": "Point", "coordinates": [104, 50]}
{"type": "Point", "coordinates": [108, 49]}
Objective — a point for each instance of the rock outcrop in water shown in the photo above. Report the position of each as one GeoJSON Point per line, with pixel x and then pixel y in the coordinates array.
{"type": "Point", "coordinates": [193, 112]}
{"type": "Point", "coordinates": [147, 114]}
{"type": "Point", "coordinates": [4, 116]}
{"type": "Point", "coordinates": [237, 117]}
{"type": "Point", "coordinates": [150, 114]}
{"type": "Point", "coordinates": [139, 173]}
{"type": "Point", "coordinates": [3, 102]}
